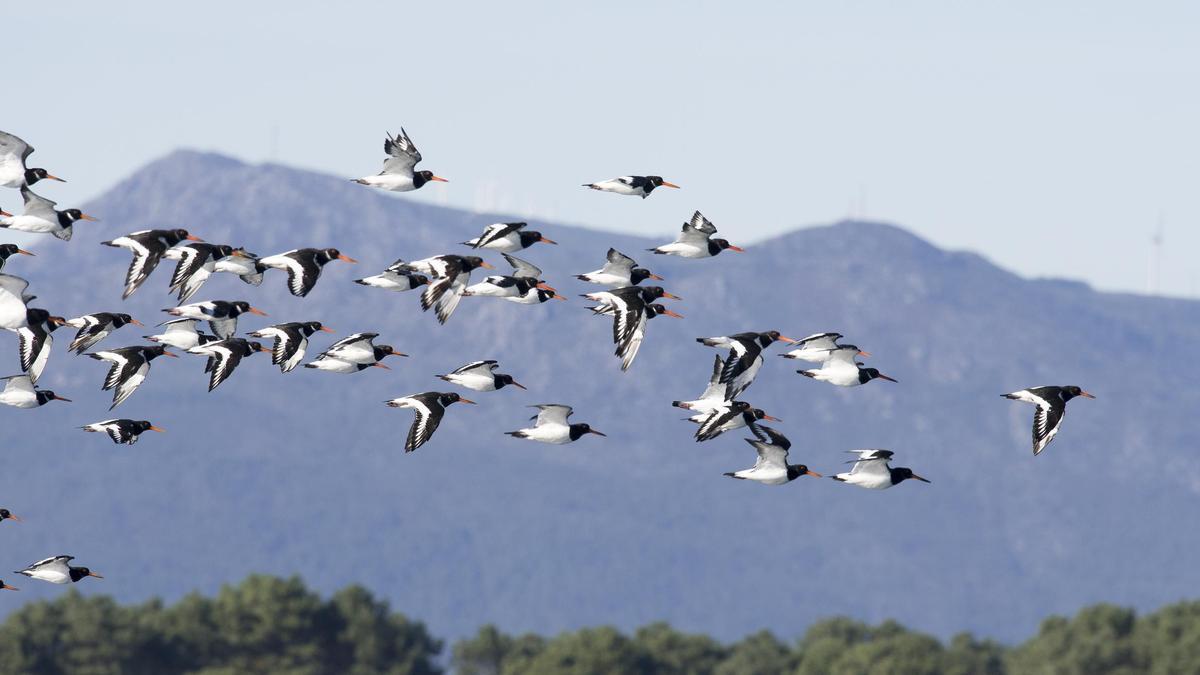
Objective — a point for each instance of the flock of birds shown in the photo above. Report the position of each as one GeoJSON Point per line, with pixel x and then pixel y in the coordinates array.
{"type": "Point", "coordinates": [444, 280]}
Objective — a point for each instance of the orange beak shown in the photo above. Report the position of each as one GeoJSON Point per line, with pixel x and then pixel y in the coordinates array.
{"type": "Point", "coordinates": [487, 265]}
{"type": "Point", "coordinates": [672, 296]}
{"type": "Point", "coordinates": [327, 329]}
{"type": "Point", "coordinates": [13, 517]}
{"type": "Point", "coordinates": [346, 258]}
{"type": "Point", "coordinates": [51, 176]}
{"type": "Point", "coordinates": [547, 241]}
{"type": "Point", "coordinates": [466, 400]}
{"type": "Point", "coordinates": [773, 419]}
{"type": "Point", "coordinates": [9, 588]}
{"type": "Point", "coordinates": [396, 354]}
{"type": "Point", "coordinates": [787, 339]}
{"type": "Point", "coordinates": [677, 315]}
{"type": "Point", "coordinates": [556, 296]}
{"type": "Point", "coordinates": [671, 185]}
{"type": "Point", "coordinates": [21, 250]}
{"type": "Point", "coordinates": [1086, 395]}
{"type": "Point", "coordinates": [58, 321]}
{"type": "Point", "coordinates": [137, 323]}
{"type": "Point", "coordinates": [171, 354]}
{"type": "Point", "coordinates": [158, 429]}
{"type": "Point", "coordinates": [737, 249]}
{"type": "Point", "coordinates": [439, 179]}
{"type": "Point", "coordinates": [545, 287]}
{"type": "Point", "coordinates": [814, 474]}
{"type": "Point", "coordinates": [255, 310]}
{"type": "Point", "coordinates": [656, 277]}
{"type": "Point", "coordinates": [59, 398]}
{"type": "Point", "coordinates": [862, 353]}
{"type": "Point", "coordinates": [84, 216]}
{"type": "Point", "coordinates": [93, 574]}
{"type": "Point", "coordinates": [5, 213]}
{"type": "Point", "coordinates": [380, 364]}
{"type": "Point", "coordinates": [264, 348]}
{"type": "Point", "coordinates": [192, 237]}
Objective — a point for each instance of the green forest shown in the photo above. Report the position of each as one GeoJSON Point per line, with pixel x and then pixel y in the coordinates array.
{"type": "Point", "coordinates": [278, 626]}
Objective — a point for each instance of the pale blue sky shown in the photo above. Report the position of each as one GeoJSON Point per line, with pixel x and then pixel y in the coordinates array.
{"type": "Point", "coordinates": [1047, 136]}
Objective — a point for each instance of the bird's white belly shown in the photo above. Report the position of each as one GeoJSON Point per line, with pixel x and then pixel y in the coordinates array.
{"type": "Point", "coordinates": [556, 434]}
{"type": "Point", "coordinates": [18, 399]}
{"type": "Point", "coordinates": [391, 182]}
{"type": "Point", "coordinates": [475, 382]}
{"type": "Point", "coordinates": [31, 224]}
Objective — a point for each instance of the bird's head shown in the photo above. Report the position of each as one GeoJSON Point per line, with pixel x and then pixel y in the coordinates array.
{"type": "Point", "coordinates": [241, 307]}
{"type": "Point", "coordinates": [640, 274]}
{"type": "Point", "coordinates": [903, 473]}
{"type": "Point", "coordinates": [73, 215]}
{"type": "Point", "coordinates": [584, 428]}
{"type": "Point", "coordinates": [657, 309]}
{"type": "Point", "coordinates": [334, 254]}
{"type": "Point", "coordinates": [6, 587]}
{"type": "Point", "coordinates": [428, 176]}
{"type": "Point", "coordinates": [797, 470]}
{"type": "Point", "coordinates": [873, 374]}
{"type": "Point", "coordinates": [34, 175]}
{"type": "Point", "coordinates": [759, 414]}
{"type": "Point", "coordinates": [1073, 391]}
{"type": "Point", "coordinates": [7, 250]}
{"type": "Point", "coordinates": [657, 181]}
{"type": "Point", "coordinates": [505, 380]}
{"type": "Point", "coordinates": [5, 514]}
{"type": "Point", "coordinates": [45, 396]}
{"type": "Point", "coordinates": [181, 234]}
{"type": "Point", "coordinates": [311, 327]}
{"type": "Point", "coordinates": [387, 350]}
{"type": "Point", "coordinates": [774, 336]}
{"type": "Point", "coordinates": [723, 244]}
{"type": "Point", "coordinates": [123, 319]}
{"type": "Point", "coordinates": [451, 397]}
{"type": "Point", "coordinates": [78, 573]}
{"type": "Point", "coordinates": [145, 425]}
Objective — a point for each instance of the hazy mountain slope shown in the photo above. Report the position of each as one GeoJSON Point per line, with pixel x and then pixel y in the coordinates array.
{"type": "Point", "coordinates": [305, 473]}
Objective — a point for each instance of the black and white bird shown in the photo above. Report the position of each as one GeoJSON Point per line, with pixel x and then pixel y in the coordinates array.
{"type": "Point", "coordinates": [552, 426]}
{"type": "Point", "coordinates": [842, 370]}
{"type": "Point", "coordinates": [817, 348]}
{"type": "Point", "coordinates": [727, 417]}
{"type": "Point", "coordinates": [242, 264]}
{"type": "Point", "coordinates": [395, 278]}
{"type": "Point", "coordinates": [1051, 405]}
{"type": "Point", "coordinates": [221, 315]}
{"type": "Point", "coordinates": [713, 395]}
{"type": "Point", "coordinates": [291, 341]}
{"type": "Point", "coordinates": [129, 368]}
{"type": "Point", "coordinates": [772, 467]}
{"type": "Point", "coordinates": [182, 334]}
{"type": "Point", "coordinates": [224, 357]}
{"type": "Point", "coordinates": [525, 277]}
{"type": "Point", "coordinates": [14, 310]}
{"type": "Point", "coordinates": [609, 301]}
{"type": "Point", "coordinates": [95, 327]}
{"type": "Point", "coordinates": [352, 354]}
{"type": "Point", "coordinates": [122, 431]}
{"type": "Point", "coordinates": [872, 471]}
{"type": "Point", "coordinates": [57, 570]}
{"type": "Point", "coordinates": [14, 172]}
{"type": "Point", "coordinates": [635, 186]}
{"type": "Point", "coordinates": [398, 174]}
{"type": "Point", "coordinates": [452, 273]}
{"type": "Point", "coordinates": [35, 341]}
{"type": "Point", "coordinates": [695, 240]}
{"type": "Point", "coordinates": [480, 376]}
{"type": "Point", "coordinates": [630, 315]}
{"type": "Point", "coordinates": [19, 392]}
{"type": "Point", "coordinates": [745, 357]}
{"type": "Point", "coordinates": [620, 271]}
{"type": "Point", "coordinates": [197, 262]}
{"type": "Point", "coordinates": [41, 217]}
{"type": "Point", "coordinates": [507, 238]}
{"type": "Point", "coordinates": [9, 250]}
{"type": "Point", "coordinates": [429, 407]}
{"type": "Point", "coordinates": [304, 266]}
{"type": "Point", "coordinates": [147, 247]}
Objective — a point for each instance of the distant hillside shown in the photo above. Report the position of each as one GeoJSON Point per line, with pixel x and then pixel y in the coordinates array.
{"type": "Point", "coordinates": [305, 473]}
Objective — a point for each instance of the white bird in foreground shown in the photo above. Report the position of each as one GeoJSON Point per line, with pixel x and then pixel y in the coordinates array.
{"type": "Point", "coordinates": [713, 395]}
{"type": "Point", "coordinates": [695, 241]}
{"type": "Point", "coordinates": [620, 271]}
{"type": "Point", "coordinates": [1051, 405]}
{"type": "Point", "coordinates": [507, 238]}
{"type": "Point", "coordinates": [817, 348]}
{"type": "Point", "coordinates": [18, 392]}
{"type": "Point", "coordinates": [480, 376]}
{"type": "Point", "coordinates": [57, 570]}
{"type": "Point", "coordinates": [291, 341]}
{"type": "Point", "coordinates": [552, 426]}
{"type": "Point", "coordinates": [872, 471]}
{"type": "Point", "coordinates": [398, 174]}
{"type": "Point", "coordinates": [14, 172]}
{"type": "Point", "coordinates": [842, 370]}
{"type": "Point", "coordinates": [41, 217]}
{"type": "Point", "coordinates": [772, 467]}
{"type": "Point", "coordinates": [395, 278]}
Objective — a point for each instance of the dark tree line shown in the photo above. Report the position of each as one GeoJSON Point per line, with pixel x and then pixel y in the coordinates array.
{"type": "Point", "coordinates": [267, 625]}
